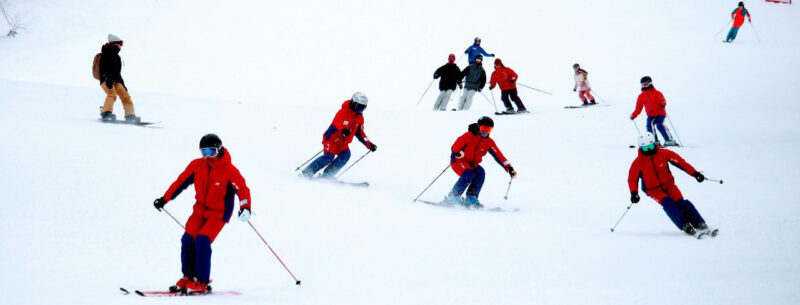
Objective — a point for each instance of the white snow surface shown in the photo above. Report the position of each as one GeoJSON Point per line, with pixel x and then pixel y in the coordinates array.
{"type": "Point", "coordinates": [268, 78]}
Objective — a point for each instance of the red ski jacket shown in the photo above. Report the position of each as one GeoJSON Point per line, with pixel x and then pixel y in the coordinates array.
{"type": "Point", "coordinates": [654, 170]}
{"type": "Point", "coordinates": [334, 141]}
{"type": "Point", "coordinates": [505, 77]}
{"type": "Point", "coordinates": [653, 102]}
{"type": "Point", "coordinates": [739, 13]}
{"type": "Point", "coordinates": [215, 182]}
{"type": "Point", "coordinates": [474, 148]}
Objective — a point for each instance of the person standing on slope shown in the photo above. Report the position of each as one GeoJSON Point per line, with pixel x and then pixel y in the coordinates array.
{"type": "Point", "coordinates": [507, 80]}
{"type": "Point", "coordinates": [475, 49]}
{"type": "Point", "coordinates": [466, 155]}
{"type": "Point", "coordinates": [652, 167]}
{"type": "Point", "coordinates": [111, 81]}
{"type": "Point", "coordinates": [737, 15]}
{"type": "Point", "coordinates": [475, 81]}
{"type": "Point", "coordinates": [582, 83]}
{"type": "Point", "coordinates": [215, 181]}
{"type": "Point", "coordinates": [348, 123]}
{"type": "Point", "coordinates": [655, 105]}
{"type": "Point", "coordinates": [451, 77]}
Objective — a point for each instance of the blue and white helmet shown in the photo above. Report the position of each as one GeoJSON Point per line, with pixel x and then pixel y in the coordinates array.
{"type": "Point", "coordinates": [359, 98]}
{"type": "Point", "coordinates": [646, 139]}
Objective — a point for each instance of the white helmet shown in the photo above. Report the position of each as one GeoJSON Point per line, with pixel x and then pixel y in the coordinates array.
{"type": "Point", "coordinates": [646, 139]}
{"type": "Point", "coordinates": [359, 98]}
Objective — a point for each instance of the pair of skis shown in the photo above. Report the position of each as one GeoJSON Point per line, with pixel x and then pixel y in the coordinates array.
{"type": "Point", "coordinates": [159, 293]}
{"type": "Point", "coordinates": [464, 207]}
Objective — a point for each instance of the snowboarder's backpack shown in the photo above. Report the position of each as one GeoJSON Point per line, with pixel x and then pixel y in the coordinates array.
{"type": "Point", "coordinates": [96, 66]}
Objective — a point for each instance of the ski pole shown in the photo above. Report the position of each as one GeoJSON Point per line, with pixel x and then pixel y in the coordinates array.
{"type": "Point", "coordinates": [296, 281]}
{"type": "Point", "coordinates": [509, 188]}
{"type": "Point", "coordinates": [354, 163]}
{"type": "Point", "coordinates": [620, 218]}
{"type": "Point", "coordinates": [637, 127]}
{"type": "Point", "coordinates": [676, 131]}
{"type": "Point", "coordinates": [754, 31]}
{"type": "Point", "coordinates": [488, 101]}
{"type": "Point", "coordinates": [309, 160]}
{"type": "Point", "coordinates": [714, 180]}
{"type": "Point", "coordinates": [429, 185]}
{"type": "Point", "coordinates": [598, 96]}
{"type": "Point", "coordinates": [723, 28]}
{"type": "Point", "coordinates": [173, 218]}
{"type": "Point", "coordinates": [426, 91]}
{"type": "Point", "coordinates": [493, 101]}
{"type": "Point", "coordinates": [529, 87]}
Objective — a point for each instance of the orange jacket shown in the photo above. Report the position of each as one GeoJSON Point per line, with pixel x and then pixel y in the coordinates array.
{"type": "Point", "coordinates": [505, 77]}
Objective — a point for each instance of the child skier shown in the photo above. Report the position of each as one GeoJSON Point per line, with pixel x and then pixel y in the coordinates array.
{"type": "Point", "coordinates": [466, 155]}
{"type": "Point", "coordinates": [215, 180]}
{"type": "Point", "coordinates": [654, 103]}
{"type": "Point", "coordinates": [737, 15]}
{"type": "Point", "coordinates": [475, 81]}
{"type": "Point", "coordinates": [451, 76]}
{"type": "Point", "coordinates": [475, 49]}
{"type": "Point", "coordinates": [347, 123]}
{"type": "Point", "coordinates": [651, 166]}
{"type": "Point", "coordinates": [582, 83]}
{"type": "Point", "coordinates": [507, 80]}
{"type": "Point", "coordinates": [112, 83]}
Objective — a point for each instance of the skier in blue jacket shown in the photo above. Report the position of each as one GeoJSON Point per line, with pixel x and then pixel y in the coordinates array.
{"type": "Point", "coordinates": [475, 50]}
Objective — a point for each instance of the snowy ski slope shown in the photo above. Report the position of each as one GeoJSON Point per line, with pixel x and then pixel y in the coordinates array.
{"type": "Point", "coordinates": [268, 78]}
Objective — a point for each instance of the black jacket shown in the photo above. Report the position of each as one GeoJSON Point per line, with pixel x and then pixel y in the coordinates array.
{"type": "Point", "coordinates": [451, 76]}
{"type": "Point", "coordinates": [476, 76]}
{"type": "Point", "coordinates": [110, 64]}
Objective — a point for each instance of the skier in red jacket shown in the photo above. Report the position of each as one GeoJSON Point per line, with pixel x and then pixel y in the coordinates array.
{"type": "Point", "coordinates": [348, 123]}
{"type": "Point", "coordinates": [506, 79]}
{"type": "Point", "coordinates": [655, 105]}
{"type": "Point", "coordinates": [652, 167]}
{"type": "Point", "coordinates": [215, 181]}
{"type": "Point", "coordinates": [737, 15]}
{"type": "Point", "coordinates": [465, 159]}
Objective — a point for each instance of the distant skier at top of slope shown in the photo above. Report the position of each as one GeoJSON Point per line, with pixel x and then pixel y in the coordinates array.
{"type": "Point", "coordinates": [450, 75]}
{"type": "Point", "coordinates": [582, 83]}
{"type": "Point", "coordinates": [652, 167]}
{"type": "Point", "coordinates": [216, 180]}
{"type": "Point", "coordinates": [475, 49]}
{"type": "Point", "coordinates": [655, 105]}
{"type": "Point", "coordinates": [737, 16]}
{"type": "Point", "coordinates": [348, 123]}
{"type": "Point", "coordinates": [466, 155]}
{"type": "Point", "coordinates": [110, 67]}
{"type": "Point", "coordinates": [507, 80]}
{"type": "Point", "coordinates": [475, 80]}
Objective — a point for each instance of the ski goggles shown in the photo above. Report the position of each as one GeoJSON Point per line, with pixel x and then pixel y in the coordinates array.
{"type": "Point", "coordinates": [118, 42]}
{"type": "Point", "coordinates": [359, 108]}
{"type": "Point", "coordinates": [485, 131]}
{"type": "Point", "coordinates": [649, 147]}
{"type": "Point", "coordinates": [209, 152]}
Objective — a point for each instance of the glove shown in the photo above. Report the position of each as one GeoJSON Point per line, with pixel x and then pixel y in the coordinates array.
{"type": "Point", "coordinates": [511, 172]}
{"type": "Point", "coordinates": [632, 117]}
{"type": "Point", "coordinates": [699, 177]}
{"type": "Point", "coordinates": [345, 132]}
{"type": "Point", "coordinates": [491, 88]}
{"type": "Point", "coordinates": [479, 89]}
{"type": "Point", "coordinates": [159, 203]}
{"type": "Point", "coordinates": [372, 147]}
{"type": "Point", "coordinates": [474, 128]}
{"type": "Point", "coordinates": [435, 76]}
{"type": "Point", "coordinates": [574, 89]}
{"type": "Point", "coordinates": [459, 154]}
{"type": "Point", "coordinates": [460, 86]}
{"type": "Point", "coordinates": [244, 214]}
{"type": "Point", "coordinates": [492, 55]}
{"type": "Point", "coordinates": [635, 197]}
{"type": "Point", "coordinates": [109, 83]}
{"type": "Point", "coordinates": [513, 81]}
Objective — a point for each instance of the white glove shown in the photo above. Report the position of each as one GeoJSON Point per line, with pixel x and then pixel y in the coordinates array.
{"type": "Point", "coordinates": [244, 215]}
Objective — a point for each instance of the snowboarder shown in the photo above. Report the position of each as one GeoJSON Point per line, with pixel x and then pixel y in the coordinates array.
{"type": "Point", "coordinates": [475, 49]}
{"type": "Point", "coordinates": [652, 167]}
{"type": "Point", "coordinates": [215, 180]}
{"type": "Point", "coordinates": [451, 77]}
{"type": "Point", "coordinates": [582, 83]}
{"type": "Point", "coordinates": [507, 80]}
{"type": "Point", "coordinates": [465, 159]}
{"type": "Point", "coordinates": [112, 83]}
{"type": "Point", "coordinates": [348, 123]}
{"type": "Point", "coordinates": [654, 103]}
{"type": "Point", "coordinates": [475, 81]}
{"type": "Point", "coordinates": [737, 16]}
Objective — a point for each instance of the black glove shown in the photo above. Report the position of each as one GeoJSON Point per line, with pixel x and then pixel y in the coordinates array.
{"type": "Point", "coordinates": [513, 81]}
{"type": "Point", "coordinates": [109, 83]}
{"type": "Point", "coordinates": [699, 177]}
{"type": "Point", "coordinates": [159, 203]}
{"type": "Point", "coordinates": [474, 128]}
{"type": "Point", "coordinates": [479, 89]}
{"type": "Point", "coordinates": [460, 86]}
{"type": "Point", "coordinates": [345, 132]}
{"type": "Point", "coordinates": [372, 147]}
{"type": "Point", "coordinates": [435, 76]}
{"type": "Point", "coordinates": [635, 197]}
{"type": "Point", "coordinates": [458, 154]}
{"type": "Point", "coordinates": [492, 55]}
{"type": "Point", "coordinates": [511, 171]}
{"type": "Point", "coordinates": [574, 90]}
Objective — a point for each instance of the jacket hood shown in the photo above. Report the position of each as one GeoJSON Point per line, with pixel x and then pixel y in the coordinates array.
{"type": "Point", "coordinates": [109, 48]}
{"type": "Point", "coordinates": [223, 159]}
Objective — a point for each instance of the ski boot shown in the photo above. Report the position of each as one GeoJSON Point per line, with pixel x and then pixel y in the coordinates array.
{"type": "Point", "coordinates": [132, 119]}
{"type": "Point", "coordinates": [592, 102]}
{"type": "Point", "coordinates": [704, 231]}
{"type": "Point", "coordinates": [451, 199]}
{"type": "Point", "coordinates": [182, 285]}
{"type": "Point", "coordinates": [523, 110]}
{"type": "Point", "coordinates": [108, 116]}
{"type": "Point", "coordinates": [688, 229]}
{"type": "Point", "coordinates": [585, 103]}
{"type": "Point", "coordinates": [472, 202]}
{"type": "Point", "coordinates": [509, 111]}
{"type": "Point", "coordinates": [670, 143]}
{"type": "Point", "coordinates": [199, 288]}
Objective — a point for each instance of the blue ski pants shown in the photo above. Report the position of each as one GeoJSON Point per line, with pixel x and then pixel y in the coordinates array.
{"type": "Point", "coordinates": [682, 212]}
{"type": "Point", "coordinates": [471, 180]}
{"type": "Point", "coordinates": [196, 257]}
{"type": "Point", "coordinates": [332, 164]}
{"type": "Point", "coordinates": [658, 122]}
{"type": "Point", "coordinates": [732, 34]}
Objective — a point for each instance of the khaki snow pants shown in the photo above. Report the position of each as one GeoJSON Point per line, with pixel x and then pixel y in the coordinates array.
{"type": "Point", "coordinates": [111, 96]}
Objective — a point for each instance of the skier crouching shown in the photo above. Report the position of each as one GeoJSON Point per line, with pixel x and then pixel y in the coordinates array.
{"type": "Point", "coordinates": [652, 167]}
{"type": "Point", "coordinates": [465, 158]}
{"type": "Point", "coordinates": [348, 123]}
{"type": "Point", "coordinates": [215, 180]}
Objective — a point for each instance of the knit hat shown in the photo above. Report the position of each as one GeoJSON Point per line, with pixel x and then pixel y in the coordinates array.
{"type": "Point", "coordinates": [497, 61]}
{"type": "Point", "coordinates": [113, 38]}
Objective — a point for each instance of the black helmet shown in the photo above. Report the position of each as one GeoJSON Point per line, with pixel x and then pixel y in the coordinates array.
{"type": "Point", "coordinates": [210, 140]}
{"type": "Point", "coordinates": [576, 65]}
{"type": "Point", "coordinates": [486, 121]}
{"type": "Point", "coordinates": [646, 80]}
